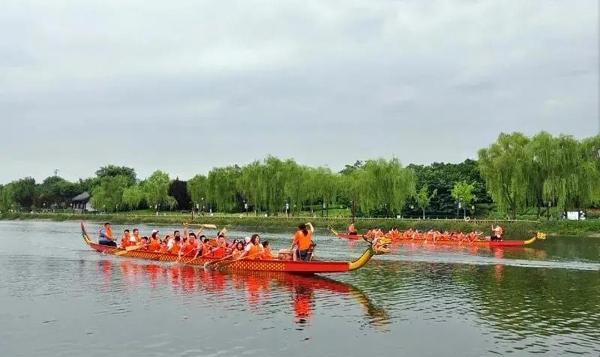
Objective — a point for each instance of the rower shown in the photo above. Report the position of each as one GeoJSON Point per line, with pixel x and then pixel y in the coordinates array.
{"type": "Point", "coordinates": [267, 253]}
{"type": "Point", "coordinates": [125, 239]}
{"type": "Point", "coordinates": [252, 250]}
{"type": "Point", "coordinates": [106, 236]}
{"type": "Point", "coordinates": [154, 245]}
{"type": "Point", "coordinates": [136, 238]}
{"type": "Point", "coordinates": [497, 233]}
{"type": "Point", "coordinates": [352, 230]}
{"type": "Point", "coordinates": [303, 241]}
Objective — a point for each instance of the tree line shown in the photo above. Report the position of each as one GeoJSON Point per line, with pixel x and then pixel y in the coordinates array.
{"type": "Point", "coordinates": [513, 174]}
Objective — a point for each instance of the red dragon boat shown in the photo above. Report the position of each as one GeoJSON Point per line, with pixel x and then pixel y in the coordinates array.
{"type": "Point", "coordinates": [468, 243]}
{"type": "Point", "coordinates": [375, 247]}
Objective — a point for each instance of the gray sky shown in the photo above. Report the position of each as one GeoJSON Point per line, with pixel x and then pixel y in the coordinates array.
{"type": "Point", "coordinates": [184, 86]}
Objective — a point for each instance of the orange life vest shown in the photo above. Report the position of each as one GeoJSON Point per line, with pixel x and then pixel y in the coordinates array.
{"type": "Point", "coordinates": [303, 241]}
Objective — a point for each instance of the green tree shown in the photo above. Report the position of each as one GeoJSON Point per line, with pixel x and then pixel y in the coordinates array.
{"type": "Point", "coordinates": [133, 196]}
{"type": "Point", "coordinates": [56, 191]}
{"type": "Point", "coordinates": [113, 171]}
{"type": "Point", "coordinates": [504, 166]}
{"type": "Point", "coordinates": [463, 193]}
{"type": "Point", "coordinates": [156, 191]}
{"type": "Point", "coordinates": [197, 188]}
{"type": "Point", "coordinates": [387, 186]}
{"type": "Point", "coordinates": [423, 198]}
{"type": "Point", "coordinates": [222, 193]}
{"type": "Point", "coordinates": [7, 200]}
{"type": "Point", "coordinates": [108, 195]}
{"type": "Point", "coordinates": [24, 192]}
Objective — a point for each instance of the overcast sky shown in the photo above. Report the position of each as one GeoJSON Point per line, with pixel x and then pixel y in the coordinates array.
{"type": "Point", "coordinates": [184, 86]}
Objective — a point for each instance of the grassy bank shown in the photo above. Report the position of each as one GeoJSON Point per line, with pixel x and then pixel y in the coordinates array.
{"type": "Point", "coordinates": [514, 229]}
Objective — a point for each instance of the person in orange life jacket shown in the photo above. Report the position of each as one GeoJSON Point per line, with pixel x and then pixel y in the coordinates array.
{"type": "Point", "coordinates": [302, 241]}
{"type": "Point", "coordinates": [253, 249]}
{"type": "Point", "coordinates": [125, 242]}
{"type": "Point", "coordinates": [106, 236]}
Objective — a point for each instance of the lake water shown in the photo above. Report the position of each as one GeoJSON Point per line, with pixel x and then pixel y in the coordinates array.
{"type": "Point", "coordinates": [58, 298]}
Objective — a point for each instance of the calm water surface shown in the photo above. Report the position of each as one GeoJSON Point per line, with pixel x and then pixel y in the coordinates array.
{"type": "Point", "coordinates": [58, 298]}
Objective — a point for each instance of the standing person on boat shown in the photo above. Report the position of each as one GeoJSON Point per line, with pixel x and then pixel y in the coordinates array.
{"type": "Point", "coordinates": [352, 230]}
{"type": "Point", "coordinates": [106, 236]}
{"type": "Point", "coordinates": [497, 233]}
{"type": "Point", "coordinates": [302, 242]}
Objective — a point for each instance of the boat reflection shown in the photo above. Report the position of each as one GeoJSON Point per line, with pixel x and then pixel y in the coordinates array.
{"type": "Point", "coordinates": [258, 288]}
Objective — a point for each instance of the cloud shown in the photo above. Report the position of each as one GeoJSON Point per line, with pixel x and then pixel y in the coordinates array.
{"type": "Point", "coordinates": [190, 85]}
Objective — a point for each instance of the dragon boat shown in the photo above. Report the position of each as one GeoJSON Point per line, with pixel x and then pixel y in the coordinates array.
{"type": "Point", "coordinates": [375, 247]}
{"type": "Point", "coordinates": [475, 243]}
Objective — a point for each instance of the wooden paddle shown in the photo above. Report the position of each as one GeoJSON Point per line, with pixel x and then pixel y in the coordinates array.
{"type": "Point", "coordinates": [130, 249]}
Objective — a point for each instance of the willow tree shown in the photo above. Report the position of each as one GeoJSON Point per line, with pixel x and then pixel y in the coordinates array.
{"type": "Point", "coordinates": [295, 185]}
{"type": "Point", "coordinates": [197, 187]}
{"type": "Point", "coordinates": [386, 186]}
{"type": "Point", "coordinates": [6, 197]}
{"type": "Point", "coordinates": [250, 184]}
{"type": "Point", "coordinates": [543, 168]}
{"type": "Point", "coordinates": [504, 166]}
{"type": "Point", "coordinates": [108, 195]}
{"type": "Point", "coordinates": [322, 186]}
{"type": "Point", "coordinates": [133, 196]}
{"type": "Point", "coordinates": [222, 192]}
{"type": "Point", "coordinates": [156, 191]}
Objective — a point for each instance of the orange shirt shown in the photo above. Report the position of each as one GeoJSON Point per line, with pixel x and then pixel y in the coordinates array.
{"type": "Point", "coordinates": [163, 248]}
{"type": "Point", "coordinates": [267, 254]}
{"type": "Point", "coordinates": [253, 251]}
{"type": "Point", "coordinates": [154, 245]}
{"type": "Point", "coordinates": [302, 241]}
{"type": "Point", "coordinates": [219, 252]}
{"type": "Point", "coordinates": [176, 248]}
{"type": "Point", "coordinates": [188, 248]}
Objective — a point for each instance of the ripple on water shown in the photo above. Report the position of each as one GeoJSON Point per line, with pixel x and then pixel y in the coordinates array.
{"type": "Point", "coordinates": [75, 301]}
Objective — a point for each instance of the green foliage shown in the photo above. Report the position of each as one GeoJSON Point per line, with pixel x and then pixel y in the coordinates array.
{"type": "Point", "coordinates": [386, 186]}
{"type": "Point", "coordinates": [108, 195]}
{"type": "Point", "coordinates": [543, 171]}
{"type": "Point", "coordinates": [198, 188]}
{"type": "Point", "coordinates": [24, 192]}
{"type": "Point", "coordinates": [222, 183]}
{"type": "Point", "coordinates": [156, 191]}
{"type": "Point", "coordinates": [423, 198]}
{"type": "Point", "coordinates": [504, 165]}
{"type": "Point", "coordinates": [56, 191]}
{"type": "Point", "coordinates": [442, 177]}
{"type": "Point", "coordinates": [113, 171]}
{"type": "Point", "coordinates": [463, 193]}
{"type": "Point", "coordinates": [133, 196]}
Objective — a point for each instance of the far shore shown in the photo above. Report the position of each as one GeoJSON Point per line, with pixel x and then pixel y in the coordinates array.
{"type": "Point", "coordinates": [518, 229]}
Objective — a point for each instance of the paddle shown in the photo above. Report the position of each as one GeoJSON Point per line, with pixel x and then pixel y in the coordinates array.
{"type": "Point", "coordinates": [130, 249]}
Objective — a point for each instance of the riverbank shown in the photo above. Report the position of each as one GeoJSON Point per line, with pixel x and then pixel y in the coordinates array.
{"type": "Point", "coordinates": [513, 229]}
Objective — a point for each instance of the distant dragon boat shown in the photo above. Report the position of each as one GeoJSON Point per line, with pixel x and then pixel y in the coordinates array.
{"type": "Point", "coordinates": [375, 247]}
{"type": "Point", "coordinates": [475, 243]}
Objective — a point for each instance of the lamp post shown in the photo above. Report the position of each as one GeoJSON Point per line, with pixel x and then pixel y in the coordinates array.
{"type": "Point", "coordinates": [287, 209]}
{"type": "Point", "coordinates": [246, 207]}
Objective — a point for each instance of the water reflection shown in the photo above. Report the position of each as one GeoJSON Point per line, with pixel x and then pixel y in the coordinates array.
{"type": "Point", "coordinates": [254, 289]}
